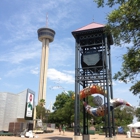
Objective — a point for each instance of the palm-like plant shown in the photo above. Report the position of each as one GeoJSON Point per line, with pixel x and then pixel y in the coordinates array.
{"type": "Point", "coordinates": [42, 102]}
{"type": "Point", "coordinates": [41, 109]}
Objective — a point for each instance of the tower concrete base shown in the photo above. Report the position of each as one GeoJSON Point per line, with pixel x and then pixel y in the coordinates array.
{"type": "Point", "coordinates": [77, 138]}
{"type": "Point", "coordinates": [115, 137]}
{"type": "Point", "coordinates": [86, 137]}
{"type": "Point", "coordinates": [109, 138]}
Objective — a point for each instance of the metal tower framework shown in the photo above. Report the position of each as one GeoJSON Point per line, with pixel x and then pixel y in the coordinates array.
{"type": "Point", "coordinates": [91, 42]}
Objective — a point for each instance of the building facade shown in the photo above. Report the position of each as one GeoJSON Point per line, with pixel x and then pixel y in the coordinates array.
{"type": "Point", "coordinates": [14, 108]}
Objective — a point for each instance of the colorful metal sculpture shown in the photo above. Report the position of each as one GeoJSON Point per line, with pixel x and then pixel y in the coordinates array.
{"type": "Point", "coordinates": [97, 100]}
{"type": "Point", "coordinates": [94, 89]}
{"type": "Point", "coordinates": [102, 110]}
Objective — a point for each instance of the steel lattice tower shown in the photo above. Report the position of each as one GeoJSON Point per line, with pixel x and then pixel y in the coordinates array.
{"type": "Point", "coordinates": [93, 66]}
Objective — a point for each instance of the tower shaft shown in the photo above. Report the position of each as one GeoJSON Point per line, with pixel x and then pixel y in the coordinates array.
{"type": "Point", "coordinates": [43, 69]}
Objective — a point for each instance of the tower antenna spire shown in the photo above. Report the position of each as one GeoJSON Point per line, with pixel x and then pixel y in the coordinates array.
{"type": "Point", "coordinates": [93, 18]}
{"type": "Point", "coordinates": [47, 20]}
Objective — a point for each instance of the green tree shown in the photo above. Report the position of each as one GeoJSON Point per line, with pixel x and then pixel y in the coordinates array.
{"type": "Point", "coordinates": [123, 116]}
{"type": "Point", "coordinates": [124, 20]}
{"type": "Point", "coordinates": [130, 70]}
{"type": "Point", "coordinates": [138, 114]}
{"type": "Point", "coordinates": [124, 24]}
{"type": "Point", "coordinates": [40, 110]}
{"type": "Point", "coordinates": [42, 102]}
{"type": "Point", "coordinates": [63, 109]}
{"type": "Point", "coordinates": [61, 99]}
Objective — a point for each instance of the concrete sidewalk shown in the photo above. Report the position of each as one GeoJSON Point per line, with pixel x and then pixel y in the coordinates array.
{"type": "Point", "coordinates": [67, 136]}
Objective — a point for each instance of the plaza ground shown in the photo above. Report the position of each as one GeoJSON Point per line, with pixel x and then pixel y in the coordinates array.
{"type": "Point", "coordinates": [67, 136]}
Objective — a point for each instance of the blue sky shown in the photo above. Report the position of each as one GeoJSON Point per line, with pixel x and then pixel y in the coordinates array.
{"type": "Point", "coordinates": [20, 49]}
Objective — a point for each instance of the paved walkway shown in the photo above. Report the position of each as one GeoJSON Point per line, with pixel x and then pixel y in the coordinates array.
{"type": "Point", "coordinates": [67, 136]}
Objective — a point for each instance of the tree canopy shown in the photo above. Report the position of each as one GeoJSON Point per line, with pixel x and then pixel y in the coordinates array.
{"type": "Point", "coordinates": [130, 70]}
{"type": "Point", "coordinates": [124, 24]}
{"type": "Point", "coordinates": [63, 109]}
{"type": "Point", "coordinates": [124, 21]}
{"type": "Point", "coordinates": [40, 110]}
{"type": "Point", "coordinates": [138, 114]}
{"type": "Point", "coordinates": [123, 116]}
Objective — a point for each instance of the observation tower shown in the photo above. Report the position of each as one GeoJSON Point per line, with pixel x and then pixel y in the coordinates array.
{"type": "Point", "coordinates": [45, 35]}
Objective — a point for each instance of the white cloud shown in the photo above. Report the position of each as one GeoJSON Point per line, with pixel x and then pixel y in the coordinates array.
{"type": "Point", "coordinates": [69, 71]}
{"type": "Point", "coordinates": [120, 82]}
{"type": "Point", "coordinates": [54, 75]}
{"type": "Point", "coordinates": [35, 71]}
{"type": "Point", "coordinates": [21, 53]}
{"type": "Point", "coordinates": [121, 91]}
{"type": "Point", "coordinates": [12, 86]}
{"type": "Point", "coordinates": [61, 52]}
{"type": "Point", "coordinates": [56, 87]}
{"type": "Point", "coordinates": [113, 83]}
{"type": "Point", "coordinates": [15, 71]}
{"type": "Point", "coordinates": [20, 25]}
{"type": "Point", "coordinates": [21, 70]}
